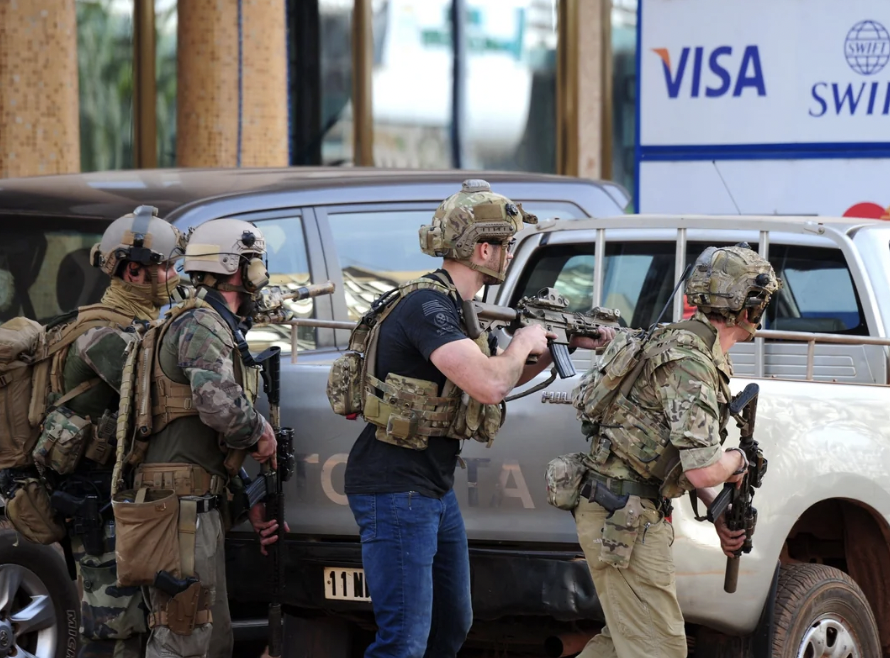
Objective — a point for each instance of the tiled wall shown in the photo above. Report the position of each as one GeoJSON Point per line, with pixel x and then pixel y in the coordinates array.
{"type": "Point", "coordinates": [39, 130]}
{"type": "Point", "coordinates": [208, 107]}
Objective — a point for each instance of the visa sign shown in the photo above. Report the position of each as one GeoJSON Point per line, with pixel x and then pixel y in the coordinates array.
{"type": "Point", "coordinates": [726, 71]}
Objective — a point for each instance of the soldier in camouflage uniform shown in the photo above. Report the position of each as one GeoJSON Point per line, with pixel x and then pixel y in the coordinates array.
{"type": "Point", "coordinates": [137, 252]}
{"type": "Point", "coordinates": [659, 437]}
{"type": "Point", "coordinates": [204, 385]}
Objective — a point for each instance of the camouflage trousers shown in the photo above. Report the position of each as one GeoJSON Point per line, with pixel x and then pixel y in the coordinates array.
{"type": "Point", "coordinates": [643, 617]}
{"type": "Point", "coordinates": [213, 639]}
{"type": "Point", "coordinates": [112, 618]}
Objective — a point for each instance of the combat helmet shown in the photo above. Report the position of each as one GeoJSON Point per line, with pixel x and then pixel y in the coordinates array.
{"type": "Point", "coordinates": [218, 248]}
{"type": "Point", "coordinates": [727, 280]}
{"type": "Point", "coordinates": [139, 237]}
{"type": "Point", "coordinates": [475, 214]}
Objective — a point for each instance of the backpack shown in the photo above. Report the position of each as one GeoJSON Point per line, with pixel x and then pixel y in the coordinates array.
{"type": "Point", "coordinates": [32, 360]}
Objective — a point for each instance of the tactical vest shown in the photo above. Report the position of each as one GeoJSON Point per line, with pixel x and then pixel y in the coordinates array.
{"type": "Point", "coordinates": [407, 411]}
{"type": "Point", "coordinates": [159, 400]}
{"type": "Point", "coordinates": [622, 428]}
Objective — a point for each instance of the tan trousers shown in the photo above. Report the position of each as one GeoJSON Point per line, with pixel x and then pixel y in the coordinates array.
{"type": "Point", "coordinates": [212, 640]}
{"type": "Point", "coordinates": [643, 618]}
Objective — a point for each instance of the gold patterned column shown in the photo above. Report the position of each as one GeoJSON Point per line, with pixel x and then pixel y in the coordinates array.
{"type": "Point", "coordinates": [39, 123]}
{"type": "Point", "coordinates": [232, 84]}
{"type": "Point", "coordinates": [584, 89]}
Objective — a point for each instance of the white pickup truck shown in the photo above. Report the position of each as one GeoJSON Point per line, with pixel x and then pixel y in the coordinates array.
{"type": "Point", "coordinates": [822, 366]}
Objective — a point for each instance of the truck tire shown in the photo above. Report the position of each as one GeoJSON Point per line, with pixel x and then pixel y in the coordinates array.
{"type": "Point", "coordinates": [820, 612]}
{"type": "Point", "coordinates": [38, 601]}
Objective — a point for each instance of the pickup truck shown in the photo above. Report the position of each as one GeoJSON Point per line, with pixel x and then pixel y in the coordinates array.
{"type": "Point", "coordinates": [815, 583]}
{"type": "Point", "coordinates": [360, 223]}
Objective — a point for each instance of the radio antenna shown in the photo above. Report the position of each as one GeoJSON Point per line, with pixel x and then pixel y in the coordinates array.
{"type": "Point", "coordinates": [726, 187]}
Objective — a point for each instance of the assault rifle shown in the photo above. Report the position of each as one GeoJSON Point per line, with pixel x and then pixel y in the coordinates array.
{"type": "Point", "coordinates": [269, 305]}
{"type": "Point", "coordinates": [86, 519]}
{"type": "Point", "coordinates": [269, 487]}
{"type": "Point", "coordinates": [548, 309]}
{"type": "Point", "coordinates": [269, 301]}
{"type": "Point", "coordinates": [741, 514]}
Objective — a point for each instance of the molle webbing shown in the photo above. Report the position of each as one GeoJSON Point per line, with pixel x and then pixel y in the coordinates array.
{"type": "Point", "coordinates": [168, 400]}
{"type": "Point", "coordinates": [432, 414]}
{"type": "Point", "coordinates": [666, 455]}
{"type": "Point", "coordinates": [184, 479]}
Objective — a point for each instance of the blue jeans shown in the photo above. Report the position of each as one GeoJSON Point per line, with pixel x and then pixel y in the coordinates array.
{"type": "Point", "coordinates": [417, 566]}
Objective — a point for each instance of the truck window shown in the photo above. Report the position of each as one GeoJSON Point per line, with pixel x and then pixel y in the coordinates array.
{"type": "Point", "coordinates": [819, 294]}
{"type": "Point", "coordinates": [378, 249]}
{"type": "Point", "coordinates": [46, 272]}
{"type": "Point", "coordinates": [637, 277]}
{"type": "Point", "coordinates": [288, 265]}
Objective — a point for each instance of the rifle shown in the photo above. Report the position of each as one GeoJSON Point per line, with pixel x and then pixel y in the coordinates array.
{"type": "Point", "coordinates": [548, 309]}
{"type": "Point", "coordinates": [86, 519]}
{"type": "Point", "coordinates": [269, 301]}
{"type": "Point", "coordinates": [269, 486]}
{"type": "Point", "coordinates": [269, 305]}
{"type": "Point", "coordinates": [741, 514]}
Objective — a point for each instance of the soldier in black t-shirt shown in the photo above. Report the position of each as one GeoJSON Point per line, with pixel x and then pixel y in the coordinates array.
{"type": "Point", "coordinates": [400, 474]}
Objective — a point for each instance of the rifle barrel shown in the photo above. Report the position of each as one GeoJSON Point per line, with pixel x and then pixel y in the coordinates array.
{"type": "Point", "coordinates": [305, 292]}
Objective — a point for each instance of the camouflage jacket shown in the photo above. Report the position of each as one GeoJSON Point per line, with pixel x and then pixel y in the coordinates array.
{"type": "Point", "coordinates": [681, 397]}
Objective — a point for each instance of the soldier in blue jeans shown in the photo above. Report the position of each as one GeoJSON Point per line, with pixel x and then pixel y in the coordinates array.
{"type": "Point", "coordinates": [428, 387]}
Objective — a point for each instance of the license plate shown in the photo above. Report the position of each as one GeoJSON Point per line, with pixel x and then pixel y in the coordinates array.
{"type": "Point", "coordinates": [345, 584]}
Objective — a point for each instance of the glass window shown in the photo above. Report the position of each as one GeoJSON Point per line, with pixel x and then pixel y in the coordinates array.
{"type": "Point", "coordinates": [624, 55]}
{"type": "Point", "coordinates": [509, 125]}
{"type": "Point", "coordinates": [46, 272]}
{"type": "Point", "coordinates": [378, 250]}
{"type": "Point", "coordinates": [637, 277]}
{"type": "Point", "coordinates": [336, 80]}
{"type": "Point", "coordinates": [288, 267]}
{"type": "Point", "coordinates": [105, 83]}
{"type": "Point", "coordinates": [819, 294]}
{"type": "Point", "coordinates": [165, 74]}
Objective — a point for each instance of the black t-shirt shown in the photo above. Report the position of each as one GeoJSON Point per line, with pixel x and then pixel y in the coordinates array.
{"type": "Point", "coordinates": [422, 322]}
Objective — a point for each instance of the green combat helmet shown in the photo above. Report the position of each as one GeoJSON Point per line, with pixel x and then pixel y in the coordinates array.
{"type": "Point", "coordinates": [727, 280]}
{"type": "Point", "coordinates": [475, 214]}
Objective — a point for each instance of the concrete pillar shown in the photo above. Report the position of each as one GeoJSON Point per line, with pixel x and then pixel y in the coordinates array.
{"type": "Point", "coordinates": [231, 84]}
{"type": "Point", "coordinates": [39, 123]}
{"type": "Point", "coordinates": [584, 89]}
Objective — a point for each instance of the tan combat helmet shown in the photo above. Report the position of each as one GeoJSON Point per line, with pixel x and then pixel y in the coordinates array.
{"type": "Point", "coordinates": [727, 280]}
{"type": "Point", "coordinates": [475, 214]}
{"type": "Point", "coordinates": [138, 237]}
{"type": "Point", "coordinates": [218, 248]}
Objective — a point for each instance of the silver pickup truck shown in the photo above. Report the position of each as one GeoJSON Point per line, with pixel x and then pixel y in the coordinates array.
{"type": "Point", "coordinates": [816, 581]}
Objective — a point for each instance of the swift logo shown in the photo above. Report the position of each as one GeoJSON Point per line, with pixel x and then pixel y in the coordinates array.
{"type": "Point", "coordinates": [867, 51]}
{"type": "Point", "coordinates": [749, 72]}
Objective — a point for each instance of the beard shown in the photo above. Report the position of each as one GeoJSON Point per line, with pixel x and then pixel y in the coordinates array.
{"type": "Point", "coordinates": [493, 263]}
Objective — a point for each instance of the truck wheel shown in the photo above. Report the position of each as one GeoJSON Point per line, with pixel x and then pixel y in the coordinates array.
{"type": "Point", "coordinates": [38, 601]}
{"type": "Point", "coordinates": [822, 613]}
